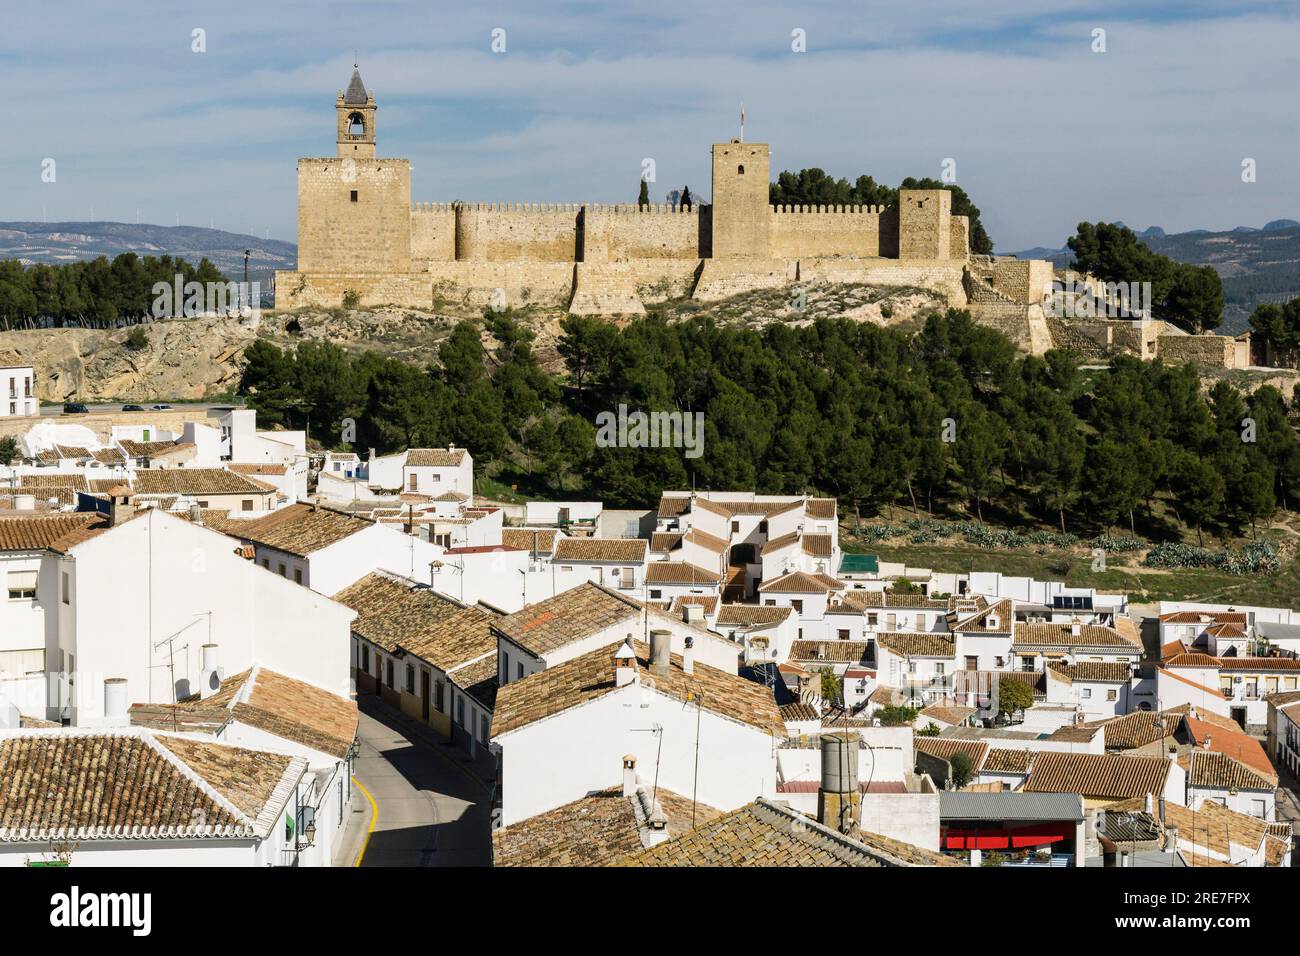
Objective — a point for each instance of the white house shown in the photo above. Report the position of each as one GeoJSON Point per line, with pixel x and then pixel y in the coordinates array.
{"type": "Point", "coordinates": [159, 602]}
{"type": "Point", "coordinates": [17, 387]}
{"type": "Point", "coordinates": [241, 441]}
{"type": "Point", "coordinates": [618, 563]}
{"type": "Point", "coordinates": [326, 550]}
{"type": "Point", "coordinates": [573, 622]}
{"type": "Point", "coordinates": [573, 728]}
{"type": "Point", "coordinates": [134, 797]}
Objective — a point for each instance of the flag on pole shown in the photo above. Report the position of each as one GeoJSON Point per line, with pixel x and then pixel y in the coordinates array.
{"type": "Point", "coordinates": [742, 122]}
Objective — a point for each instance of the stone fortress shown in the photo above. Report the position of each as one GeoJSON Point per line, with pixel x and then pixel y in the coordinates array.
{"type": "Point", "coordinates": [360, 234]}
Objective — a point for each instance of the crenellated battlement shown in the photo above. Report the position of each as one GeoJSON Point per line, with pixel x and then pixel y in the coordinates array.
{"type": "Point", "coordinates": [841, 210]}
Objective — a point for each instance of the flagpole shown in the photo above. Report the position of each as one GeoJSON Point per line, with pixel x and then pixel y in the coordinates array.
{"type": "Point", "coordinates": [742, 122]}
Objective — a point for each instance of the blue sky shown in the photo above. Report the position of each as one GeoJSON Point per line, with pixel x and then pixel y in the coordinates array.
{"type": "Point", "coordinates": [1044, 131]}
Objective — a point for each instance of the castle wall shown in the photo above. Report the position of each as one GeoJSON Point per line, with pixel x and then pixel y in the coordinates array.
{"type": "Point", "coordinates": [325, 290]}
{"type": "Point", "coordinates": [825, 231]}
{"type": "Point", "coordinates": [1213, 350]}
{"type": "Point", "coordinates": [513, 232]}
{"type": "Point", "coordinates": [1025, 281]}
{"type": "Point", "coordinates": [502, 284]}
{"type": "Point", "coordinates": [354, 215]}
{"type": "Point", "coordinates": [959, 237]}
{"type": "Point", "coordinates": [619, 233]}
{"type": "Point", "coordinates": [433, 234]}
{"type": "Point", "coordinates": [942, 276]}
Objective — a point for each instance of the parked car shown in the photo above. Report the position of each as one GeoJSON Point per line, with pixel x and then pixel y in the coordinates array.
{"type": "Point", "coordinates": [161, 408]}
{"type": "Point", "coordinates": [132, 408]}
{"type": "Point", "coordinates": [75, 408]}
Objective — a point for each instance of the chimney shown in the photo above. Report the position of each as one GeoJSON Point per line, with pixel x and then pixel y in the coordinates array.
{"type": "Point", "coordinates": [625, 670]}
{"type": "Point", "coordinates": [1171, 839]}
{"type": "Point", "coordinates": [1149, 804]}
{"type": "Point", "coordinates": [1206, 742]}
{"type": "Point", "coordinates": [660, 649]}
{"type": "Point", "coordinates": [629, 775]}
{"type": "Point", "coordinates": [1075, 627]}
{"type": "Point", "coordinates": [839, 800]}
{"type": "Point", "coordinates": [688, 656]}
{"type": "Point", "coordinates": [692, 613]}
{"type": "Point", "coordinates": [196, 514]}
{"type": "Point", "coordinates": [209, 672]}
{"type": "Point", "coordinates": [120, 506]}
{"type": "Point", "coordinates": [115, 707]}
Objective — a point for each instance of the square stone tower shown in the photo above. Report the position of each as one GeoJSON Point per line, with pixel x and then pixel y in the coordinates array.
{"type": "Point", "coordinates": [354, 210]}
{"type": "Point", "coordinates": [924, 224]}
{"type": "Point", "coordinates": [741, 211]}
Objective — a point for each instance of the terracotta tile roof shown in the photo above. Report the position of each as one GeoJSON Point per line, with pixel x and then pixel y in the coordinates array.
{"type": "Point", "coordinates": [434, 457]}
{"type": "Point", "coordinates": [1226, 630]}
{"type": "Point", "coordinates": [1097, 775]}
{"type": "Point", "coordinates": [109, 456]}
{"type": "Point", "coordinates": [873, 600]}
{"type": "Point", "coordinates": [258, 469]}
{"type": "Point", "coordinates": [61, 486]}
{"type": "Point", "coordinates": [1240, 747]}
{"type": "Point", "coordinates": [800, 582]}
{"type": "Point", "coordinates": [567, 617]}
{"type": "Point", "coordinates": [680, 572]}
{"type": "Point", "coordinates": [750, 614]}
{"type": "Point", "coordinates": [670, 506]}
{"type": "Point", "coordinates": [1135, 730]}
{"type": "Point", "coordinates": [715, 507]}
{"type": "Point", "coordinates": [1192, 660]}
{"type": "Point", "coordinates": [1007, 760]}
{"type": "Point", "coordinates": [247, 778]}
{"type": "Point", "coordinates": [1104, 671]}
{"type": "Point", "coordinates": [38, 532]}
{"type": "Point", "coordinates": [830, 652]}
{"type": "Point", "coordinates": [948, 713]}
{"type": "Point", "coordinates": [665, 541]}
{"type": "Point", "coordinates": [298, 529]}
{"type": "Point", "coordinates": [617, 550]}
{"type": "Point", "coordinates": [767, 834]}
{"type": "Point", "coordinates": [1204, 617]}
{"type": "Point", "coordinates": [980, 620]}
{"type": "Point", "coordinates": [945, 748]}
{"type": "Point", "coordinates": [1172, 649]}
{"type": "Point", "coordinates": [707, 541]}
{"type": "Point", "coordinates": [542, 539]}
{"type": "Point", "coordinates": [1258, 663]}
{"type": "Point", "coordinates": [818, 545]}
{"type": "Point", "coordinates": [774, 545]}
{"type": "Point", "coordinates": [591, 676]}
{"type": "Point", "coordinates": [1211, 827]}
{"type": "Point", "coordinates": [393, 611]}
{"type": "Point", "coordinates": [1058, 635]}
{"type": "Point", "coordinates": [299, 712]}
{"type": "Point", "coordinates": [593, 830]}
{"type": "Point", "coordinates": [821, 508]}
{"type": "Point", "coordinates": [62, 785]}
{"type": "Point", "coordinates": [709, 602]}
{"type": "Point", "coordinates": [479, 680]}
{"type": "Point", "coordinates": [799, 711]}
{"type": "Point", "coordinates": [919, 644]}
{"type": "Point", "coordinates": [982, 682]}
{"type": "Point", "coordinates": [197, 481]}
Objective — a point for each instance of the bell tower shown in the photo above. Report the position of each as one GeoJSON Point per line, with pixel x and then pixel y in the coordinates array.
{"type": "Point", "coordinates": [356, 118]}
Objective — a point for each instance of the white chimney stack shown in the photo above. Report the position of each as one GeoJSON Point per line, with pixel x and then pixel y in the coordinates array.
{"type": "Point", "coordinates": [209, 672]}
{"type": "Point", "coordinates": [1075, 628]}
{"type": "Point", "coordinates": [629, 775]}
{"type": "Point", "coordinates": [688, 656]}
{"type": "Point", "coordinates": [115, 703]}
{"type": "Point", "coordinates": [660, 652]}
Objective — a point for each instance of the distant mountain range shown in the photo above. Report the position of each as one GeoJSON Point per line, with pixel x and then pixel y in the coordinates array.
{"type": "Point", "coordinates": [57, 242]}
{"type": "Point", "coordinates": [1256, 265]}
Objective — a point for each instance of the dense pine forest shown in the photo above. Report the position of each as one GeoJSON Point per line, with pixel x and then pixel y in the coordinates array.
{"type": "Point", "coordinates": [950, 420]}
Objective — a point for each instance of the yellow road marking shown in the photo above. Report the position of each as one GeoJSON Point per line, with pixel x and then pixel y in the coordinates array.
{"type": "Point", "coordinates": [374, 818]}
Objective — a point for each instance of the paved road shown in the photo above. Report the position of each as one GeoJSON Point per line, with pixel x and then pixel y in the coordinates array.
{"type": "Point", "coordinates": [433, 809]}
{"type": "Point", "coordinates": [55, 409]}
{"type": "Point", "coordinates": [1288, 808]}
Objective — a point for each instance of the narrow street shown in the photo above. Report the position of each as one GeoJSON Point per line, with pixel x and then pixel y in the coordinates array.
{"type": "Point", "coordinates": [432, 807]}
